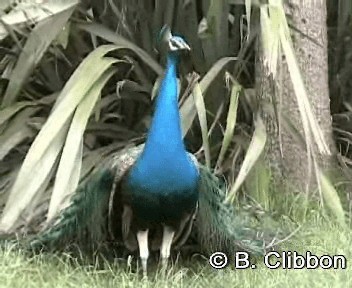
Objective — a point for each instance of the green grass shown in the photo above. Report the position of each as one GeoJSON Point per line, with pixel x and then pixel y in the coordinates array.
{"type": "Point", "coordinates": [317, 236]}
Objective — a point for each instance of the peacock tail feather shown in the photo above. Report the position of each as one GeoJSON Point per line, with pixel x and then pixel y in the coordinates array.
{"type": "Point", "coordinates": [220, 226]}
{"type": "Point", "coordinates": [88, 220]}
{"type": "Point", "coordinates": [83, 222]}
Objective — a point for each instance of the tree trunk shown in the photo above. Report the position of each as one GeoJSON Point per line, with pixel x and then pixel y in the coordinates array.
{"type": "Point", "coordinates": [285, 154]}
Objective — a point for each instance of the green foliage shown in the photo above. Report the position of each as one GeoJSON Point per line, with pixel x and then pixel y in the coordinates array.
{"type": "Point", "coordinates": [36, 45]}
{"type": "Point", "coordinates": [81, 94]}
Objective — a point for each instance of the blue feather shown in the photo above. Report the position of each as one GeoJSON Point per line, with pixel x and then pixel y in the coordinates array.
{"type": "Point", "coordinates": [164, 181]}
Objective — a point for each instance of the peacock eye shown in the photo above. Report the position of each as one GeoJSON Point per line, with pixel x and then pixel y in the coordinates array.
{"type": "Point", "coordinates": [173, 45]}
{"type": "Point", "coordinates": [177, 43]}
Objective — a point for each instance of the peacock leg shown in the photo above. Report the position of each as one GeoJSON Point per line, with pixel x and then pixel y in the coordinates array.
{"type": "Point", "coordinates": [142, 238]}
{"type": "Point", "coordinates": [168, 235]}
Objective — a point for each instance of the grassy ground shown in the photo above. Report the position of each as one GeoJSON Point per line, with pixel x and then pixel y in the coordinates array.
{"type": "Point", "coordinates": [316, 235]}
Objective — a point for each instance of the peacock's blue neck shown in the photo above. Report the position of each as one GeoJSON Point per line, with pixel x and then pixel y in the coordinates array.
{"type": "Point", "coordinates": [165, 130]}
{"type": "Point", "coordinates": [163, 182]}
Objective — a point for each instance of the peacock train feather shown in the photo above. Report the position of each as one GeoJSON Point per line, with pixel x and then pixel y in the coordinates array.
{"type": "Point", "coordinates": [89, 219]}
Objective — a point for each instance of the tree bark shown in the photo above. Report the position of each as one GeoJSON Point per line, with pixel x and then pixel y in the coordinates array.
{"type": "Point", "coordinates": [285, 154]}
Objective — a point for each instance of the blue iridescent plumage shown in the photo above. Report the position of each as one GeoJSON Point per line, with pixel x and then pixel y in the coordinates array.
{"type": "Point", "coordinates": [163, 182]}
{"type": "Point", "coordinates": [160, 191]}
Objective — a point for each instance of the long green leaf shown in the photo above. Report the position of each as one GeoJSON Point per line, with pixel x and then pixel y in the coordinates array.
{"type": "Point", "coordinates": [68, 175]}
{"type": "Point", "coordinates": [202, 115]}
{"type": "Point", "coordinates": [214, 71]}
{"type": "Point", "coordinates": [105, 33]}
{"type": "Point", "coordinates": [331, 197]}
{"type": "Point", "coordinates": [47, 145]}
{"type": "Point", "coordinates": [8, 112]}
{"type": "Point", "coordinates": [36, 45]}
{"type": "Point", "coordinates": [231, 120]}
{"type": "Point", "coordinates": [75, 89]}
{"type": "Point", "coordinates": [255, 149]}
{"type": "Point", "coordinates": [17, 131]}
{"type": "Point", "coordinates": [30, 182]}
{"type": "Point", "coordinates": [30, 11]}
{"type": "Point", "coordinates": [188, 110]}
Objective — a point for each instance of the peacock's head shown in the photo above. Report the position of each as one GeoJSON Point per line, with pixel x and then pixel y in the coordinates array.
{"type": "Point", "coordinates": [172, 43]}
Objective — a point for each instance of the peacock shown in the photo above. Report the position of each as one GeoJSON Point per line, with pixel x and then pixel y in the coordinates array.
{"type": "Point", "coordinates": [160, 191]}
{"type": "Point", "coordinates": [155, 196]}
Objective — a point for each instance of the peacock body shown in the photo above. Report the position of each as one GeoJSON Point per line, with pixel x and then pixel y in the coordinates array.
{"type": "Point", "coordinates": [160, 192]}
{"type": "Point", "coordinates": [162, 186]}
